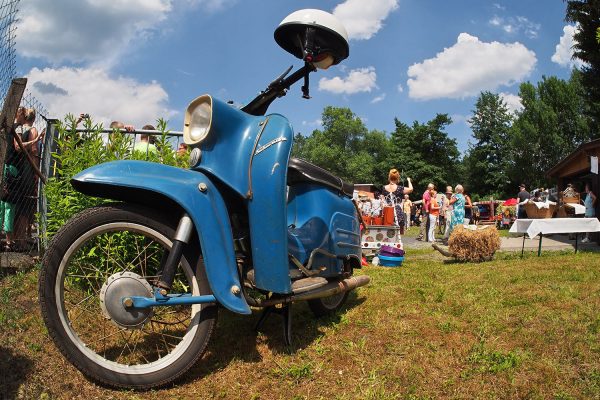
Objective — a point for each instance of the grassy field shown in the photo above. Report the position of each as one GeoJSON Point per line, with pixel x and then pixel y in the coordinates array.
{"type": "Point", "coordinates": [511, 328]}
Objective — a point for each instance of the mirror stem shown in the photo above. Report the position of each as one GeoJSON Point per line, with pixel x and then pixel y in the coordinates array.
{"type": "Point", "coordinates": [306, 86]}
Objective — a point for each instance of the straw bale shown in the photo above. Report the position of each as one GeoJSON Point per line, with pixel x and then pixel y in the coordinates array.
{"type": "Point", "coordinates": [474, 245]}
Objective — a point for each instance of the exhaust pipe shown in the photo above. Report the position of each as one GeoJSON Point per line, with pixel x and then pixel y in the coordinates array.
{"type": "Point", "coordinates": [330, 289]}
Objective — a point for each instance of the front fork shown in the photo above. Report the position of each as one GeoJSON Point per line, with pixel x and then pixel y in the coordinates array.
{"type": "Point", "coordinates": [161, 296]}
{"type": "Point", "coordinates": [182, 237]}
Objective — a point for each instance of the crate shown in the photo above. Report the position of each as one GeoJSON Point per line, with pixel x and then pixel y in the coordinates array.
{"type": "Point", "coordinates": [533, 212]}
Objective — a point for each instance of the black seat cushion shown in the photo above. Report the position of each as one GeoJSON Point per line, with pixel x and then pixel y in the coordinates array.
{"type": "Point", "coordinates": [303, 171]}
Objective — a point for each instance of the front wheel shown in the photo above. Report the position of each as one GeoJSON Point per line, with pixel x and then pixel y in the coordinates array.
{"type": "Point", "coordinates": [97, 258]}
{"type": "Point", "coordinates": [328, 305]}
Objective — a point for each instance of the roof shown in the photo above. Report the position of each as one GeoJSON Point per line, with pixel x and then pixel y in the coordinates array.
{"type": "Point", "coordinates": [581, 150]}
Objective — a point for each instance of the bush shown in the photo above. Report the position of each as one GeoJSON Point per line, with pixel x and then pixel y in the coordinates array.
{"type": "Point", "coordinates": [77, 151]}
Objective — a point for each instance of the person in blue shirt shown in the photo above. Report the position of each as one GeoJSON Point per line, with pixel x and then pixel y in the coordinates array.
{"type": "Point", "coordinates": [590, 208]}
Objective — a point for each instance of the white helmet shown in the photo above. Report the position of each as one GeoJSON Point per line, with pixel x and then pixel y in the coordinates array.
{"type": "Point", "coordinates": [314, 36]}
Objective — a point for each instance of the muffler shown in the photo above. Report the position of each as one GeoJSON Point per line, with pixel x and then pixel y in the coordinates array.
{"type": "Point", "coordinates": [330, 289]}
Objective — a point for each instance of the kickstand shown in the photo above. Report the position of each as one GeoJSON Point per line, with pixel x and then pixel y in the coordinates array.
{"type": "Point", "coordinates": [285, 312]}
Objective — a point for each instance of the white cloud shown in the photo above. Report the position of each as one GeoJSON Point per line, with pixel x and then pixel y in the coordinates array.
{"type": "Point", "coordinates": [358, 80]}
{"type": "Point", "coordinates": [93, 91]}
{"type": "Point", "coordinates": [95, 31]}
{"type": "Point", "coordinates": [317, 123]}
{"type": "Point", "coordinates": [513, 102]}
{"type": "Point", "coordinates": [363, 19]}
{"type": "Point", "coordinates": [86, 30]}
{"type": "Point", "coordinates": [378, 99]}
{"type": "Point", "coordinates": [400, 88]}
{"type": "Point", "coordinates": [460, 119]}
{"type": "Point", "coordinates": [468, 67]}
{"type": "Point", "coordinates": [496, 21]}
{"type": "Point", "coordinates": [563, 55]}
{"type": "Point", "coordinates": [516, 25]}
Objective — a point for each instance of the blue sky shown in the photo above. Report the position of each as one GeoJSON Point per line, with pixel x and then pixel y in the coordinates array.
{"type": "Point", "coordinates": [137, 60]}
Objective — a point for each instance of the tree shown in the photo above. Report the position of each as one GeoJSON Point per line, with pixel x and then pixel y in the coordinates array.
{"type": "Point", "coordinates": [425, 152]}
{"type": "Point", "coordinates": [586, 14]}
{"type": "Point", "coordinates": [552, 124]}
{"type": "Point", "coordinates": [487, 159]}
{"type": "Point", "coordinates": [346, 147]}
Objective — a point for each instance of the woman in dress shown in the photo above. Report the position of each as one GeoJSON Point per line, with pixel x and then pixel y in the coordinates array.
{"type": "Point", "coordinates": [458, 203]}
{"type": "Point", "coordinates": [26, 197]}
{"type": "Point", "coordinates": [394, 193]}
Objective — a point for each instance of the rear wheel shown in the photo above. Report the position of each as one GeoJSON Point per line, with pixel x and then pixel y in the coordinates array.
{"type": "Point", "coordinates": [100, 256]}
{"type": "Point", "coordinates": [328, 305]}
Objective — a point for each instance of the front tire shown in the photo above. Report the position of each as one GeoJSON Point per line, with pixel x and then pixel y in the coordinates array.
{"type": "Point", "coordinates": [124, 244]}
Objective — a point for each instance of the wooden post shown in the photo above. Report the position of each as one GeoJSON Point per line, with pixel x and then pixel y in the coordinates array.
{"type": "Point", "coordinates": [7, 116]}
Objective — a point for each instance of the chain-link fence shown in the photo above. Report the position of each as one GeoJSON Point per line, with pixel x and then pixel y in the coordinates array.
{"type": "Point", "coordinates": [22, 149]}
{"type": "Point", "coordinates": [30, 150]}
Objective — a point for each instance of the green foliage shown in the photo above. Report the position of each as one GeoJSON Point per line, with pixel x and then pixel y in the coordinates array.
{"type": "Point", "coordinates": [586, 14]}
{"type": "Point", "coordinates": [550, 126]}
{"type": "Point", "coordinates": [346, 147]}
{"type": "Point", "coordinates": [426, 153]}
{"type": "Point", "coordinates": [487, 159]}
{"type": "Point", "coordinates": [78, 151]}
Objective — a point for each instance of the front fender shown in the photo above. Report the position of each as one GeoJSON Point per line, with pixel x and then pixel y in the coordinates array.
{"type": "Point", "coordinates": [146, 182]}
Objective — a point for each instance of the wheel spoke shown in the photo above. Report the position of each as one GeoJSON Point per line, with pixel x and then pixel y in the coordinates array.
{"type": "Point", "coordinates": [90, 275]}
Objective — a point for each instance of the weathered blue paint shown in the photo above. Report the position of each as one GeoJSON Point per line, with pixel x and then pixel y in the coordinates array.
{"type": "Point", "coordinates": [250, 155]}
{"type": "Point", "coordinates": [323, 219]}
{"type": "Point", "coordinates": [170, 300]}
{"type": "Point", "coordinates": [207, 210]}
{"type": "Point", "coordinates": [267, 207]}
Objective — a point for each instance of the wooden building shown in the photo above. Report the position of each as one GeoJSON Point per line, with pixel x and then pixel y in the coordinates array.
{"type": "Point", "coordinates": [576, 169]}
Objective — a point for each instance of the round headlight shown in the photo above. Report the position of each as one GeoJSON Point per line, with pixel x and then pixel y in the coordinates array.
{"type": "Point", "coordinates": [200, 122]}
{"type": "Point", "coordinates": [198, 117]}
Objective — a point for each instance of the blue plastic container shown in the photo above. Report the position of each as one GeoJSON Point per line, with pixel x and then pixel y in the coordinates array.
{"type": "Point", "coordinates": [386, 261]}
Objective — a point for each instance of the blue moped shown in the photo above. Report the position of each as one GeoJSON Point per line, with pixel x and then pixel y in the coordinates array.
{"type": "Point", "coordinates": [130, 290]}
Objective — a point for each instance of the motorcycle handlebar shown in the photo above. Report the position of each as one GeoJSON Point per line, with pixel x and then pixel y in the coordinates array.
{"type": "Point", "coordinates": [277, 88]}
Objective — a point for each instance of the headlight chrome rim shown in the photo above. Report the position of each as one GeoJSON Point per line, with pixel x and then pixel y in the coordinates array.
{"type": "Point", "coordinates": [198, 120]}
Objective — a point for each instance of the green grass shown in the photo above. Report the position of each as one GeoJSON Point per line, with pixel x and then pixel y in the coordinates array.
{"type": "Point", "coordinates": [511, 328]}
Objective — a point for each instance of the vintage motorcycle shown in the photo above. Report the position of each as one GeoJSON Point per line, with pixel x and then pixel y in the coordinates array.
{"type": "Point", "coordinates": [130, 291]}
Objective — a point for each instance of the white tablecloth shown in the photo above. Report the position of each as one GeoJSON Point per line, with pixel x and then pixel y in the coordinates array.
{"type": "Point", "coordinates": [534, 227]}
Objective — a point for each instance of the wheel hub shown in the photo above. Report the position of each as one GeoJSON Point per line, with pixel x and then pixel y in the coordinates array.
{"type": "Point", "coordinates": [118, 287]}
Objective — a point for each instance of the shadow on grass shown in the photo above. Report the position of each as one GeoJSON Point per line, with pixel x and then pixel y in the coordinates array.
{"type": "Point", "coordinates": [14, 369]}
{"type": "Point", "coordinates": [235, 338]}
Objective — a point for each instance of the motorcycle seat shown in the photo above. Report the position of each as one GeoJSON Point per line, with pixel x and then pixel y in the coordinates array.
{"type": "Point", "coordinates": [301, 171]}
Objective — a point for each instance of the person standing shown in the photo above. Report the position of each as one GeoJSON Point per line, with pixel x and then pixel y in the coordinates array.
{"type": "Point", "coordinates": [407, 207]}
{"type": "Point", "coordinates": [8, 197]}
{"type": "Point", "coordinates": [523, 197]}
{"type": "Point", "coordinates": [434, 212]}
{"type": "Point", "coordinates": [458, 203]}
{"type": "Point", "coordinates": [590, 208]}
{"type": "Point", "coordinates": [393, 194]}
{"type": "Point", "coordinates": [448, 212]}
{"type": "Point", "coordinates": [425, 212]}
{"type": "Point", "coordinates": [26, 199]}
{"type": "Point", "coordinates": [145, 146]}
{"type": "Point", "coordinates": [468, 209]}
